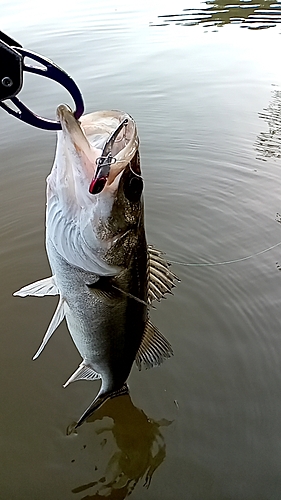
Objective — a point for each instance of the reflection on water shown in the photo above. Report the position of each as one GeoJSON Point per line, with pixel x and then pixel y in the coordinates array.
{"type": "Point", "coordinates": [139, 449]}
{"type": "Point", "coordinates": [268, 143]}
{"type": "Point", "coordinates": [249, 14]}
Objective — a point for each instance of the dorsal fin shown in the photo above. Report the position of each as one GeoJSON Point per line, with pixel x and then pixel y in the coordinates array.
{"type": "Point", "coordinates": [55, 321]}
{"type": "Point", "coordinates": [161, 279]}
{"type": "Point", "coordinates": [47, 286]}
{"type": "Point", "coordinates": [83, 372]}
{"type": "Point", "coordinates": [154, 348]}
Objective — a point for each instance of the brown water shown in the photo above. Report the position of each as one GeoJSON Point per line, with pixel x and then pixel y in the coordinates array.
{"type": "Point", "coordinates": [206, 98]}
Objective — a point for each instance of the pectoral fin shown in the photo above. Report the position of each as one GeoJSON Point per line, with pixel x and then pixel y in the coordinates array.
{"type": "Point", "coordinates": [161, 278]}
{"type": "Point", "coordinates": [40, 288]}
{"type": "Point", "coordinates": [83, 372]}
{"type": "Point", "coordinates": [56, 320]}
{"type": "Point", "coordinates": [103, 290]}
{"type": "Point", "coordinates": [154, 348]}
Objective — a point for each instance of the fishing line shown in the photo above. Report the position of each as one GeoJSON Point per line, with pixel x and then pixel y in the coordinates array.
{"type": "Point", "coordinates": [204, 264]}
{"type": "Point", "coordinates": [133, 297]}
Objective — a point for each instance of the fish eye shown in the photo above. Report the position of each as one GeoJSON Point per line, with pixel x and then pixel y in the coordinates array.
{"type": "Point", "coordinates": [133, 189]}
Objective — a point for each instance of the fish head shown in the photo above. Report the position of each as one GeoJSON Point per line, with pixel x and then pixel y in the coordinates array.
{"type": "Point", "coordinates": [85, 224]}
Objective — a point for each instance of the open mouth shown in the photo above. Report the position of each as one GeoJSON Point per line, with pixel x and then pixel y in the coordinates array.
{"type": "Point", "coordinates": [106, 141]}
{"type": "Point", "coordinates": [115, 141]}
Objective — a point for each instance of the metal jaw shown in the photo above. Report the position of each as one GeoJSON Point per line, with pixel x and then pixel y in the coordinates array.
{"type": "Point", "coordinates": [11, 83]}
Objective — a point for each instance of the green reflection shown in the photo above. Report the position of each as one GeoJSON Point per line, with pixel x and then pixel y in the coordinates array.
{"type": "Point", "coordinates": [268, 144]}
{"type": "Point", "coordinates": [139, 449]}
{"type": "Point", "coordinates": [249, 14]}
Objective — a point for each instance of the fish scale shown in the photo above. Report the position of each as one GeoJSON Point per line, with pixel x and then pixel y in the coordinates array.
{"type": "Point", "coordinates": [105, 274]}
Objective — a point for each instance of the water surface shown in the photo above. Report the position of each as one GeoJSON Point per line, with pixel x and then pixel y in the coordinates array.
{"type": "Point", "coordinates": [206, 99]}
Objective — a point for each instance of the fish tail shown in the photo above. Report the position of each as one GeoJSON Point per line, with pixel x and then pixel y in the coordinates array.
{"type": "Point", "coordinates": [99, 401]}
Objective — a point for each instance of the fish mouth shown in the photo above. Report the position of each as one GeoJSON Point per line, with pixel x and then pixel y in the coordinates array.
{"type": "Point", "coordinates": [105, 141]}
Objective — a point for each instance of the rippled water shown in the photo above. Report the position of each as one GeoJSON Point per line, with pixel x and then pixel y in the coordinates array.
{"type": "Point", "coordinates": [246, 13]}
{"type": "Point", "coordinates": [206, 424]}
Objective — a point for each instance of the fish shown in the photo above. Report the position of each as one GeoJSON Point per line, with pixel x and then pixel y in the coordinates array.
{"type": "Point", "coordinates": [103, 270]}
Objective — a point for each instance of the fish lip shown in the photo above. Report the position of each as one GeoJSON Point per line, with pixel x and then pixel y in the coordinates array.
{"type": "Point", "coordinates": [68, 121]}
{"type": "Point", "coordinates": [72, 128]}
{"type": "Point", "coordinates": [76, 140]}
{"type": "Point", "coordinates": [63, 113]}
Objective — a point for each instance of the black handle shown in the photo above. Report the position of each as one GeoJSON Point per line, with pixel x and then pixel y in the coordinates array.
{"type": "Point", "coordinates": [11, 68]}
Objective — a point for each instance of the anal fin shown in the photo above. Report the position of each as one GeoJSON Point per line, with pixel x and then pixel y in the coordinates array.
{"type": "Point", "coordinates": [47, 286]}
{"type": "Point", "coordinates": [56, 320]}
{"type": "Point", "coordinates": [154, 348]}
{"type": "Point", "coordinates": [83, 372]}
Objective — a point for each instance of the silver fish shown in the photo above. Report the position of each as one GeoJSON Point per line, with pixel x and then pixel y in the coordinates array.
{"type": "Point", "coordinates": [104, 272]}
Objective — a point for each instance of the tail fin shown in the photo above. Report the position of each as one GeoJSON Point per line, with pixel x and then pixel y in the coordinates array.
{"type": "Point", "coordinates": [98, 401]}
